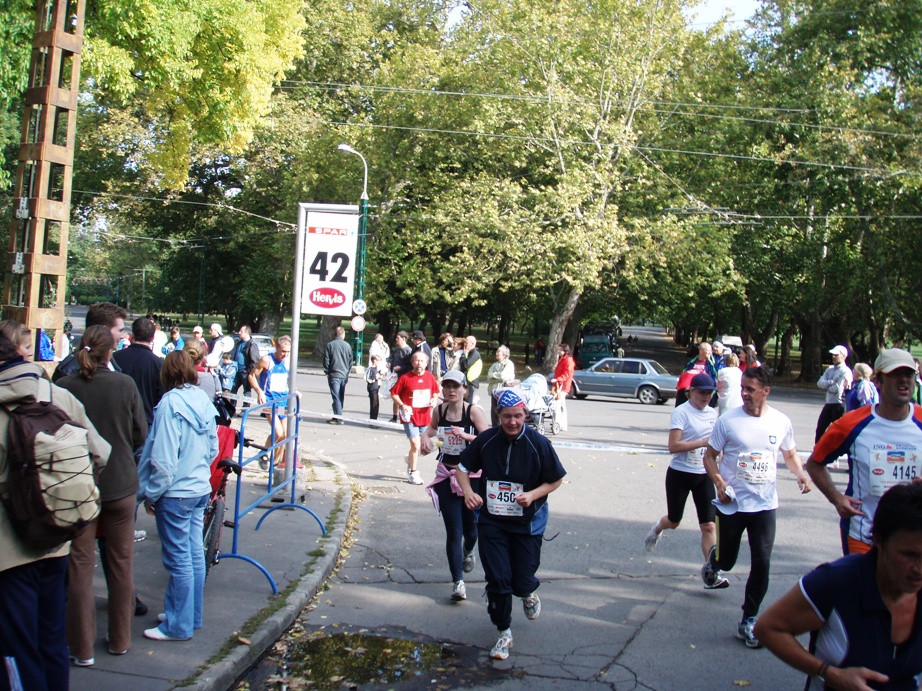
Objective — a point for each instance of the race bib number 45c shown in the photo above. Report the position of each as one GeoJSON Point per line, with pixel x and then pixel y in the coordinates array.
{"type": "Point", "coordinates": [501, 498]}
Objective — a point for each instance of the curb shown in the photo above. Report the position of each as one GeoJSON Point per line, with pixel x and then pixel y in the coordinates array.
{"type": "Point", "coordinates": [225, 673]}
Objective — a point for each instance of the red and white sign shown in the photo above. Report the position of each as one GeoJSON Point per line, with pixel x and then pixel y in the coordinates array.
{"type": "Point", "coordinates": [330, 244]}
{"type": "Point", "coordinates": [358, 323]}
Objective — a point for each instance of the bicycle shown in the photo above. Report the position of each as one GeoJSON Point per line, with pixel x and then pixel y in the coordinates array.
{"type": "Point", "coordinates": [214, 513]}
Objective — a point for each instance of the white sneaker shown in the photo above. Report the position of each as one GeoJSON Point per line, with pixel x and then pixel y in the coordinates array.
{"type": "Point", "coordinates": [532, 606]}
{"type": "Point", "coordinates": [652, 538]}
{"type": "Point", "coordinates": [469, 560]}
{"type": "Point", "coordinates": [139, 535]}
{"type": "Point", "coordinates": [500, 651]}
{"type": "Point", "coordinates": [414, 477]}
{"type": "Point", "coordinates": [459, 592]}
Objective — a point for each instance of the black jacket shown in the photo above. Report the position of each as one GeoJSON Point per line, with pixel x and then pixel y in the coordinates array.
{"type": "Point", "coordinates": [140, 363]}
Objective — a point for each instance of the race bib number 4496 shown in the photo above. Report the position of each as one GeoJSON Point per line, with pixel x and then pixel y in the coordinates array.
{"type": "Point", "coordinates": [501, 498]}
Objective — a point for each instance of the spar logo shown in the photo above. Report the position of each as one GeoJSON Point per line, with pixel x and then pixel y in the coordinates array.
{"type": "Point", "coordinates": [317, 230]}
{"type": "Point", "coordinates": [327, 297]}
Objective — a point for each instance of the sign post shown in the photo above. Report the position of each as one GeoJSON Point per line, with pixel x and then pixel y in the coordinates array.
{"type": "Point", "coordinates": [329, 253]}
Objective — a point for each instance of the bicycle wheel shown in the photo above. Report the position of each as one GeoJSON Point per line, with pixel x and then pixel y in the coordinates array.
{"type": "Point", "coordinates": [214, 521]}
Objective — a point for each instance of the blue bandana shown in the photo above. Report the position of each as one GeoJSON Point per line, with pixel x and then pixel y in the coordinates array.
{"type": "Point", "coordinates": [509, 398]}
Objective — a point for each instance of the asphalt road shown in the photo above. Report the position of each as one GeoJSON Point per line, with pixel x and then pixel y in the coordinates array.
{"type": "Point", "coordinates": [614, 616]}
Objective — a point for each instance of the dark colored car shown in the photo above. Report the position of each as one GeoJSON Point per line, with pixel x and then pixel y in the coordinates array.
{"type": "Point", "coordinates": [646, 380]}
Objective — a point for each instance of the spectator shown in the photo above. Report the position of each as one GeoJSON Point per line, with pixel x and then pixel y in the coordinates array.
{"type": "Point", "coordinates": [33, 588]}
{"type": "Point", "coordinates": [380, 348]}
{"type": "Point", "coordinates": [500, 374]}
{"type": "Point", "coordinates": [139, 362]}
{"type": "Point", "coordinates": [472, 366]}
{"type": "Point", "coordinates": [729, 384]}
{"type": "Point", "coordinates": [247, 357]}
{"type": "Point", "coordinates": [176, 342]}
{"type": "Point", "coordinates": [337, 363]}
{"type": "Point", "coordinates": [562, 383]}
{"type": "Point", "coordinates": [20, 336]}
{"type": "Point", "coordinates": [115, 408]}
{"type": "Point", "coordinates": [400, 361]}
{"type": "Point", "coordinates": [107, 314]}
{"type": "Point", "coordinates": [175, 489]}
{"type": "Point", "coordinates": [374, 375]}
{"type": "Point", "coordinates": [863, 391]}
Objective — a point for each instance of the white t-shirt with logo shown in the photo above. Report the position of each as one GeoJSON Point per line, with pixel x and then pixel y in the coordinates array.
{"type": "Point", "coordinates": [695, 424]}
{"type": "Point", "coordinates": [752, 449]}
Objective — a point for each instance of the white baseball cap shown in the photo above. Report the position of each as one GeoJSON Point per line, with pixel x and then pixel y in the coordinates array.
{"type": "Point", "coordinates": [893, 359]}
{"type": "Point", "coordinates": [839, 350]}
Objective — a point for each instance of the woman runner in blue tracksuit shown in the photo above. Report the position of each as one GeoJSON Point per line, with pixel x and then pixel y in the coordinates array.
{"type": "Point", "coordinates": [520, 468]}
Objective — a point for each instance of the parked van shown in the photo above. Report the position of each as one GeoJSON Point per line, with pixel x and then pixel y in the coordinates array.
{"type": "Point", "coordinates": [594, 347]}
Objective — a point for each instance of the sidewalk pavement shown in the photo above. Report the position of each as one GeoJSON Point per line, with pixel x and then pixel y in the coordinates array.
{"type": "Point", "coordinates": [242, 618]}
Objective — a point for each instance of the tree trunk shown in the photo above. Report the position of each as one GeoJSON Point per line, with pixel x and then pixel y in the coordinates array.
{"type": "Point", "coordinates": [787, 344]}
{"type": "Point", "coordinates": [559, 322]}
{"type": "Point", "coordinates": [326, 334]}
{"type": "Point", "coordinates": [270, 322]}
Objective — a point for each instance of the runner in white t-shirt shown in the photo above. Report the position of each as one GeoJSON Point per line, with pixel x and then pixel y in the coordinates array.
{"type": "Point", "coordinates": [689, 430]}
{"type": "Point", "coordinates": [752, 439]}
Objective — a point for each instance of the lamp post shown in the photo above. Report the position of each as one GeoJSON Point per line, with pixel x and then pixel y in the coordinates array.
{"type": "Point", "coordinates": [360, 269]}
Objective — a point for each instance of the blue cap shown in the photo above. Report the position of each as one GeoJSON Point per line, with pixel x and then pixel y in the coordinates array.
{"type": "Point", "coordinates": [702, 382]}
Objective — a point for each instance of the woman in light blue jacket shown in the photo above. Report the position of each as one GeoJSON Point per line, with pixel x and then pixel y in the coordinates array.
{"type": "Point", "coordinates": [175, 473]}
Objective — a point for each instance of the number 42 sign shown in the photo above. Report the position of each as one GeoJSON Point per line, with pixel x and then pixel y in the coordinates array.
{"type": "Point", "coordinates": [329, 263]}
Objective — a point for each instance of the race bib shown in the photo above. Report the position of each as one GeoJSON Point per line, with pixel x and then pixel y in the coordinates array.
{"type": "Point", "coordinates": [278, 382]}
{"type": "Point", "coordinates": [452, 444]}
{"type": "Point", "coordinates": [756, 467]}
{"type": "Point", "coordinates": [695, 456]}
{"type": "Point", "coordinates": [421, 398]}
{"type": "Point", "coordinates": [501, 498]}
{"type": "Point", "coordinates": [892, 465]}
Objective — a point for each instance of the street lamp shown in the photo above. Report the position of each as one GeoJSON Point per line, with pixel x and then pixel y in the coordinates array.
{"type": "Point", "coordinates": [360, 269]}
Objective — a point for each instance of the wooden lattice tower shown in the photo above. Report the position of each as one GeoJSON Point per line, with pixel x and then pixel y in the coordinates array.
{"type": "Point", "coordinates": [33, 291]}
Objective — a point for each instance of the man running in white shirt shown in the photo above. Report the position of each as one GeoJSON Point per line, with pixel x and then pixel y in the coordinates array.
{"type": "Point", "coordinates": [751, 439]}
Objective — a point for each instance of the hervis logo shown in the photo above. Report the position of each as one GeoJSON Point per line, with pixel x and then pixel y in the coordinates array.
{"type": "Point", "coordinates": [327, 297]}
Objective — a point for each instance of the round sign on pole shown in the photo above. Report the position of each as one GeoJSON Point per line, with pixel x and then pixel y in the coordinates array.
{"type": "Point", "coordinates": [359, 308]}
{"type": "Point", "coordinates": [358, 324]}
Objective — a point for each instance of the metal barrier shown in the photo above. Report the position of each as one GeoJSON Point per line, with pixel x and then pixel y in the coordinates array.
{"type": "Point", "coordinates": [273, 488]}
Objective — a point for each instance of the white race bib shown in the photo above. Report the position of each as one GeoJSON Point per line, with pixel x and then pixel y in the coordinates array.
{"type": "Point", "coordinates": [452, 444]}
{"type": "Point", "coordinates": [891, 466]}
{"type": "Point", "coordinates": [421, 398]}
{"type": "Point", "coordinates": [278, 381]}
{"type": "Point", "coordinates": [501, 498]}
{"type": "Point", "coordinates": [695, 456]}
{"type": "Point", "coordinates": [756, 467]}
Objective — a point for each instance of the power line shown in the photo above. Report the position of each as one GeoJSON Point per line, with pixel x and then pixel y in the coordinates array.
{"type": "Point", "coordinates": [548, 140]}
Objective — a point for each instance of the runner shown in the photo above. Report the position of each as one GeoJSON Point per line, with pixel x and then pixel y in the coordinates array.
{"type": "Point", "coordinates": [689, 430]}
{"type": "Point", "coordinates": [455, 424]}
{"type": "Point", "coordinates": [884, 443]}
{"type": "Point", "coordinates": [520, 468]}
{"type": "Point", "coordinates": [862, 611]}
{"type": "Point", "coordinates": [415, 394]}
{"type": "Point", "coordinates": [751, 439]}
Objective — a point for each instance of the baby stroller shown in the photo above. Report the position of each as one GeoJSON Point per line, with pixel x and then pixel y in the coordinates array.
{"type": "Point", "coordinates": [542, 410]}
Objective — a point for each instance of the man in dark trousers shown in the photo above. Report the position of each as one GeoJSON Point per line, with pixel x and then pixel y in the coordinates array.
{"type": "Point", "coordinates": [247, 357]}
{"type": "Point", "coordinates": [337, 363]}
{"type": "Point", "coordinates": [139, 362]}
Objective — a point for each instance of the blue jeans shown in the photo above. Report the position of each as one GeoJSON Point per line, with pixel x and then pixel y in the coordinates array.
{"type": "Point", "coordinates": [179, 523]}
{"type": "Point", "coordinates": [338, 393]}
{"type": "Point", "coordinates": [32, 627]}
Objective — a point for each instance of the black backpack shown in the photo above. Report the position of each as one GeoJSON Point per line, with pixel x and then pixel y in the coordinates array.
{"type": "Point", "coordinates": [51, 493]}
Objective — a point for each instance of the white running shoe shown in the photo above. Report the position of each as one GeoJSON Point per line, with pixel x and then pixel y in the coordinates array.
{"type": "Point", "coordinates": [532, 606]}
{"type": "Point", "coordinates": [469, 560]}
{"type": "Point", "coordinates": [459, 592]}
{"type": "Point", "coordinates": [500, 651]}
{"type": "Point", "coordinates": [652, 538]}
{"type": "Point", "coordinates": [139, 535]}
{"type": "Point", "coordinates": [414, 477]}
